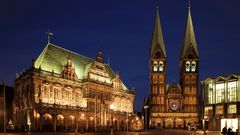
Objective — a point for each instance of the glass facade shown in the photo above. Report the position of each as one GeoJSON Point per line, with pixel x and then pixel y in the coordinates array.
{"type": "Point", "coordinates": [232, 91]}
{"type": "Point", "coordinates": [220, 93]}
{"type": "Point", "coordinates": [221, 100]}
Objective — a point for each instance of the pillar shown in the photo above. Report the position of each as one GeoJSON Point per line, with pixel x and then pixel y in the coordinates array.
{"type": "Point", "coordinates": [54, 123]}
{"type": "Point", "coordinates": [118, 125]}
{"type": "Point", "coordinates": [66, 123]}
{"type": "Point", "coordinates": [86, 124]}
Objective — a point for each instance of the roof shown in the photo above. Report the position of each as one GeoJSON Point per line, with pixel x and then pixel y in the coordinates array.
{"type": "Point", "coordinates": [54, 58]}
{"type": "Point", "coordinates": [221, 78]}
{"type": "Point", "coordinates": [157, 39]}
{"type": "Point", "coordinates": [189, 37]}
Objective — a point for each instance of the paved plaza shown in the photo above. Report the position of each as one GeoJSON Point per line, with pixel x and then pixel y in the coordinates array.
{"type": "Point", "coordinates": [150, 132]}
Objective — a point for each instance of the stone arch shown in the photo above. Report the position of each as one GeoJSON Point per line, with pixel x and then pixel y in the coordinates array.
{"type": "Point", "coordinates": [71, 122]}
{"type": "Point", "coordinates": [47, 124]}
{"type": "Point", "coordinates": [189, 121]}
{"type": "Point", "coordinates": [159, 123]}
{"type": "Point", "coordinates": [179, 123]}
{"type": "Point", "coordinates": [168, 123]}
{"type": "Point", "coordinates": [121, 124]}
{"type": "Point", "coordinates": [115, 123]}
{"type": "Point", "coordinates": [59, 122]}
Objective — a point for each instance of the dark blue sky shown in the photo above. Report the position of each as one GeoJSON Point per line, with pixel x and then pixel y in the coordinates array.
{"type": "Point", "coordinates": [122, 30]}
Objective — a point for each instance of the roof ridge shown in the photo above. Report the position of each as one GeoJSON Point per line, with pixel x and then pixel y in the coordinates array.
{"type": "Point", "coordinates": [70, 51]}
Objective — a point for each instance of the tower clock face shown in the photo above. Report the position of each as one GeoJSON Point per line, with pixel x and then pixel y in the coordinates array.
{"type": "Point", "coordinates": [174, 105]}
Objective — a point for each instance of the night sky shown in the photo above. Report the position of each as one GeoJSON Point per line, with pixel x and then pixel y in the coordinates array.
{"type": "Point", "coordinates": [122, 29]}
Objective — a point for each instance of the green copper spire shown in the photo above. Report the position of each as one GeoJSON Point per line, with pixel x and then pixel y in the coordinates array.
{"type": "Point", "coordinates": [157, 38]}
{"type": "Point", "coordinates": [189, 39]}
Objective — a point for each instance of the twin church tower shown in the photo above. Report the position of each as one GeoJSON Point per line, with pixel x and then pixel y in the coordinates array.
{"type": "Point", "coordinates": [174, 105]}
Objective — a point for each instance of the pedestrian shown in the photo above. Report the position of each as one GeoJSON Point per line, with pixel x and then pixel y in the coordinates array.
{"type": "Point", "coordinates": [229, 131]}
{"type": "Point", "coordinates": [224, 131]}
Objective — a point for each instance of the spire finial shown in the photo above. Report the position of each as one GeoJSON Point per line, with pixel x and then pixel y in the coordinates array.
{"type": "Point", "coordinates": [189, 4]}
{"type": "Point", "coordinates": [49, 34]}
{"type": "Point", "coordinates": [157, 3]}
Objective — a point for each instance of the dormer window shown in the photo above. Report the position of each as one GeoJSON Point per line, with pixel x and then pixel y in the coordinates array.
{"type": "Point", "coordinates": [187, 66]}
{"type": "Point", "coordinates": [161, 66]}
{"type": "Point", "coordinates": [193, 66]}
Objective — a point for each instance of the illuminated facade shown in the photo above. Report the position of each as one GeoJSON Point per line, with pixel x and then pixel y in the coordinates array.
{"type": "Point", "coordinates": [63, 90]}
{"type": "Point", "coordinates": [221, 99]}
{"type": "Point", "coordinates": [174, 105]}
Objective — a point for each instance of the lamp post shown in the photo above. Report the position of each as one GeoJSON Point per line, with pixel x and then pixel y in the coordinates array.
{"type": "Point", "coordinates": [204, 125]}
{"type": "Point", "coordinates": [145, 118]}
{"type": "Point", "coordinates": [111, 108]}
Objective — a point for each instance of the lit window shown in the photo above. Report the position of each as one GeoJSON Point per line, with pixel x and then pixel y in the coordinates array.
{"type": "Point", "coordinates": [210, 93]}
{"type": "Point", "coordinates": [160, 66]}
{"type": "Point", "coordinates": [220, 93]}
{"type": "Point", "coordinates": [155, 68]}
{"type": "Point", "coordinates": [232, 109]}
{"type": "Point", "coordinates": [207, 111]}
{"type": "Point", "coordinates": [193, 66]}
{"type": "Point", "coordinates": [187, 66]}
{"type": "Point", "coordinates": [219, 109]}
{"type": "Point", "coordinates": [232, 86]}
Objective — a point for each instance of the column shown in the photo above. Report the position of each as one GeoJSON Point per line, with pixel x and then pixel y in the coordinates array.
{"type": "Point", "coordinates": [86, 124]}
{"type": "Point", "coordinates": [66, 123]}
{"type": "Point", "coordinates": [54, 123]}
{"type": "Point", "coordinates": [118, 125]}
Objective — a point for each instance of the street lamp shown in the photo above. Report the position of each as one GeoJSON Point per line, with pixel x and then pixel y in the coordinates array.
{"type": "Point", "coordinates": [204, 124]}
{"type": "Point", "coordinates": [146, 119]}
{"type": "Point", "coordinates": [111, 108]}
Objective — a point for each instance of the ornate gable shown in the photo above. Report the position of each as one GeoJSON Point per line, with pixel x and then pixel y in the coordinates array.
{"type": "Point", "coordinates": [68, 71]}
{"type": "Point", "coordinates": [98, 71]}
{"type": "Point", "coordinates": [174, 89]}
{"type": "Point", "coordinates": [117, 83]}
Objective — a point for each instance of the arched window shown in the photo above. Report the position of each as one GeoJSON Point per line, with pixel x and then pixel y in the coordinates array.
{"type": "Point", "coordinates": [161, 66]}
{"type": "Point", "coordinates": [155, 66]}
{"type": "Point", "coordinates": [187, 66]}
{"type": "Point", "coordinates": [193, 66]}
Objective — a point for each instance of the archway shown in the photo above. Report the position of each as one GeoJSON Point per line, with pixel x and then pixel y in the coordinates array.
{"type": "Point", "coordinates": [47, 123]}
{"type": "Point", "coordinates": [121, 125]}
{"type": "Point", "coordinates": [71, 123]}
{"type": "Point", "coordinates": [179, 123]}
{"type": "Point", "coordinates": [159, 123]}
{"type": "Point", "coordinates": [169, 123]}
{"type": "Point", "coordinates": [60, 122]}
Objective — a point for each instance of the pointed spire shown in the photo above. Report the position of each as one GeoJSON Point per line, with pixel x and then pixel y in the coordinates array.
{"type": "Point", "coordinates": [189, 36]}
{"type": "Point", "coordinates": [157, 38]}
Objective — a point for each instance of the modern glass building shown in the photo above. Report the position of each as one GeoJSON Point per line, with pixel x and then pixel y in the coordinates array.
{"type": "Point", "coordinates": [221, 102]}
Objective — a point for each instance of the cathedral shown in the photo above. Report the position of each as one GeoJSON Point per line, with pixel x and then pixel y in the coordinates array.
{"type": "Point", "coordinates": [66, 91]}
{"type": "Point", "coordinates": [174, 105]}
